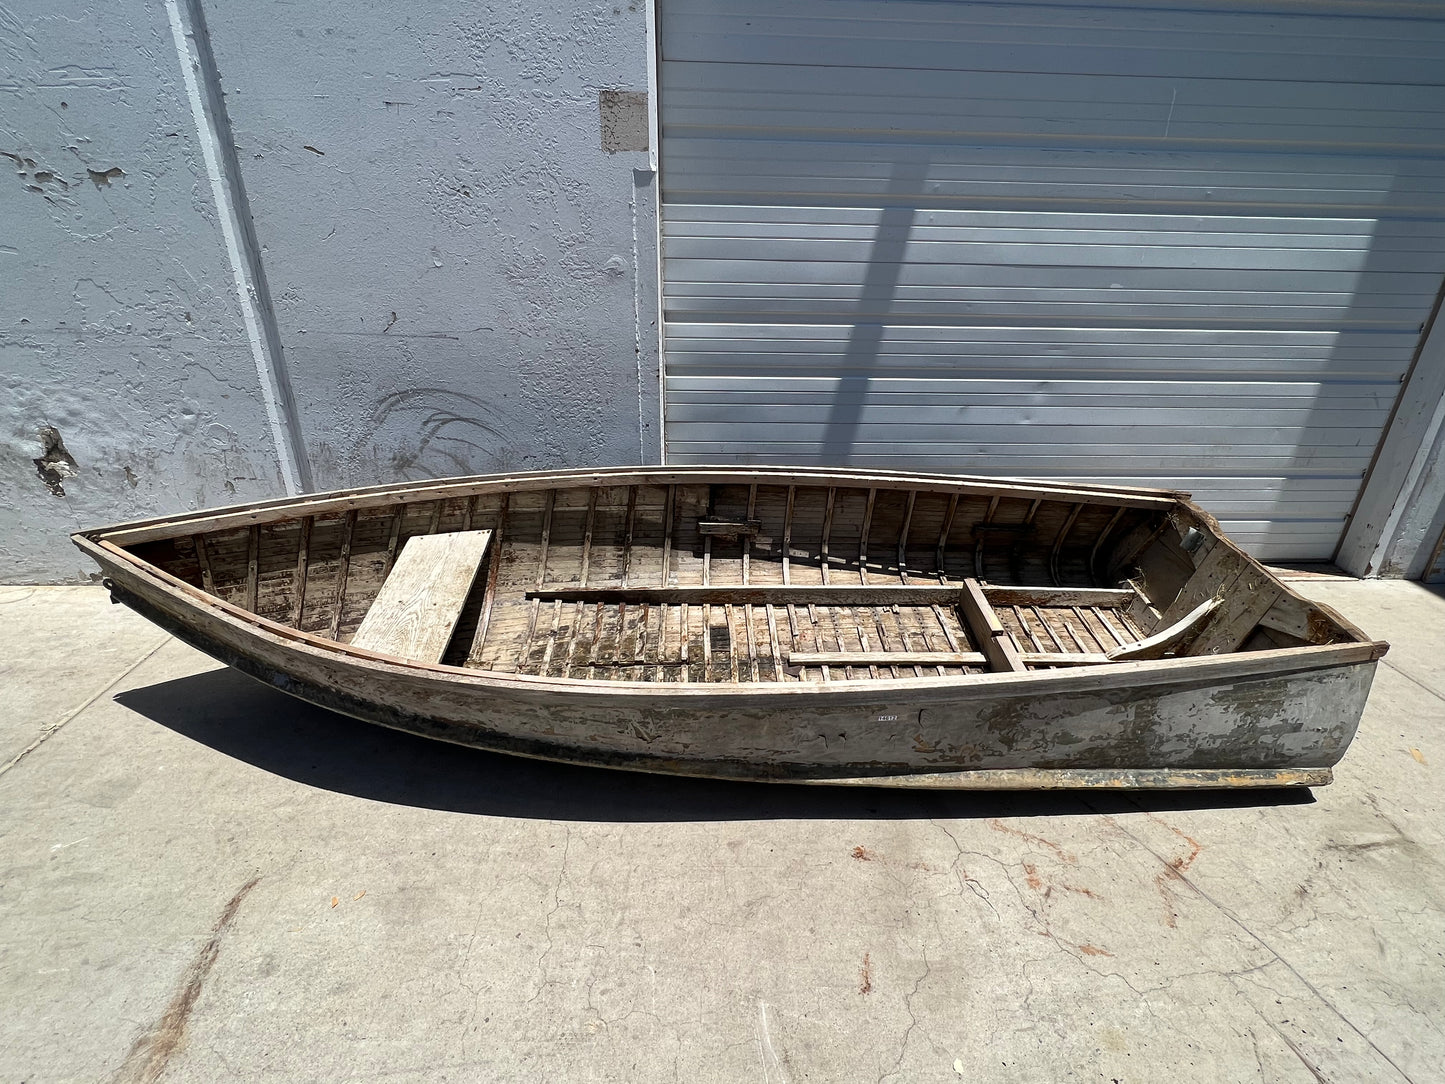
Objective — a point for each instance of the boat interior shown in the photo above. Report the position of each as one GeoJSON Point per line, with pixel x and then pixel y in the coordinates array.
{"type": "Point", "coordinates": [728, 581]}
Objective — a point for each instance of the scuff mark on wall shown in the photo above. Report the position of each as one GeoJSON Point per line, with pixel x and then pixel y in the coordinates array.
{"type": "Point", "coordinates": [454, 432]}
{"type": "Point", "coordinates": [623, 115]}
{"type": "Point", "coordinates": [55, 464]}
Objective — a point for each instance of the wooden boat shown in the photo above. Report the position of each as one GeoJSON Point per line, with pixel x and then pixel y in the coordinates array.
{"type": "Point", "coordinates": [866, 627]}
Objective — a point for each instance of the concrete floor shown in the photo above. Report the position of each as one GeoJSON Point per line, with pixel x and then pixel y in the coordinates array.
{"type": "Point", "coordinates": [201, 880]}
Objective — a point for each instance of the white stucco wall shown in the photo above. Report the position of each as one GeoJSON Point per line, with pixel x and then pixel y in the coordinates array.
{"type": "Point", "coordinates": [119, 322]}
{"type": "Point", "coordinates": [450, 251]}
{"type": "Point", "coordinates": [456, 277]}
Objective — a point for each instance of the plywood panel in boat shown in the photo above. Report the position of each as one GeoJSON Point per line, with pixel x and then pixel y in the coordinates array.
{"type": "Point", "coordinates": [416, 611]}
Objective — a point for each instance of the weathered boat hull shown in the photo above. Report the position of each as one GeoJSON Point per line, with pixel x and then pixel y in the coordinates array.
{"type": "Point", "coordinates": [1253, 722]}
{"type": "Point", "coordinates": [980, 634]}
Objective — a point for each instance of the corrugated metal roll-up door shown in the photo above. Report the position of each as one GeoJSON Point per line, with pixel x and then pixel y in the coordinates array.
{"type": "Point", "coordinates": [1159, 244]}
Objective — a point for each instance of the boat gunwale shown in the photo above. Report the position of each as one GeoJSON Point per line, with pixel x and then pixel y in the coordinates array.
{"type": "Point", "coordinates": [1111, 675]}
{"type": "Point", "coordinates": [259, 513]}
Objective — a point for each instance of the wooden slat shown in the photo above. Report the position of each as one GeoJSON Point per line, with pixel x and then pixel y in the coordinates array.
{"type": "Point", "coordinates": [667, 513]}
{"type": "Point", "coordinates": [685, 634]}
{"type": "Point", "coordinates": [253, 564]}
{"type": "Point", "coordinates": [494, 569]}
{"type": "Point", "coordinates": [773, 643]}
{"type": "Point", "coordinates": [1048, 629]}
{"type": "Point", "coordinates": [208, 579]}
{"type": "Point", "coordinates": [987, 631]}
{"type": "Point", "coordinates": [787, 547]}
{"type": "Point", "coordinates": [586, 563]}
{"type": "Point", "coordinates": [903, 569]}
{"type": "Point", "coordinates": [1094, 572]}
{"type": "Point", "coordinates": [1295, 617]}
{"type": "Point", "coordinates": [943, 533]}
{"type": "Point", "coordinates": [659, 658]}
{"type": "Point", "coordinates": [980, 532]}
{"type": "Point", "coordinates": [416, 610]}
{"type": "Point", "coordinates": [348, 527]}
{"type": "Point", "coordinates": [903, 535]}
{"type": "Point", "coordinates": [1059, 542]}
{"type": "Point", "coordinates": [1027, 628]}
{"type": "Point", "coordinates": [629, 529]}
{"type": "Point", "coordinates": [863, 537]}
{"type": "Point", "coordinates": [303, 560]}
{"type": "Point", "coordinates": [759, 594]}
{"type": "Point", "coordinates": [551, 504]}
{"type": "Point", "coordinates": [1099, 616]}
{"type": "Point", "coordinates": [706, 610]}
{"type": "Point", "coordinates": [545, 665]}
{"type": "Point", "coordinates": [1100, 643]}
{"type": "Point", "coordinates": [393, 537]}
{"type": "Point", "coordinates": [746, 563]}
{"type": "Point", "coordinates": [863, 639]}
{"type": "Point", "coordinates": [827, 530]}
{"type": "Point", "coordinates": [788, 532]}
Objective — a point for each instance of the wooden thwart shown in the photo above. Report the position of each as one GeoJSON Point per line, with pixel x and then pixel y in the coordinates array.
{"type": "Point", "coordinates": [991, 635]}
{"type": "Point", "coordinates": [417, 608]}
{"type": "Point", "coordinates": [914, 594]}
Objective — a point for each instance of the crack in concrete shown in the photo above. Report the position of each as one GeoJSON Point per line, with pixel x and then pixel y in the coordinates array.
{"type": "Point", "coordinates": [912, 1018]}
{"type": "Point", "coordinates": [547, 921]}
{"type": "Point", "coordinates": [47, 731]}
{"type": "Point", "coordinates": [1240, 923]}
{"type": "Point", "coordinates": [1413, 680]}
{"type": "Point", "coordinates": [1311, 1066]}
{"type": "Point", "coordinates": [964, 880]}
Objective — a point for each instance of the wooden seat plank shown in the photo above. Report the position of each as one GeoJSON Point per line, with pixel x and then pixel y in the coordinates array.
{"type": "Point", "coordinates": [417, 609]}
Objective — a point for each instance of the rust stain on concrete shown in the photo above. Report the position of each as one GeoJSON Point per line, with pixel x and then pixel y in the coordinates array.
{"type": "Point", "coordinates": [1174, 871]}
{"type": "Point", "coordinates": [153, 1051]}
{"type": "Point", "coordinates": [1066, 856]}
